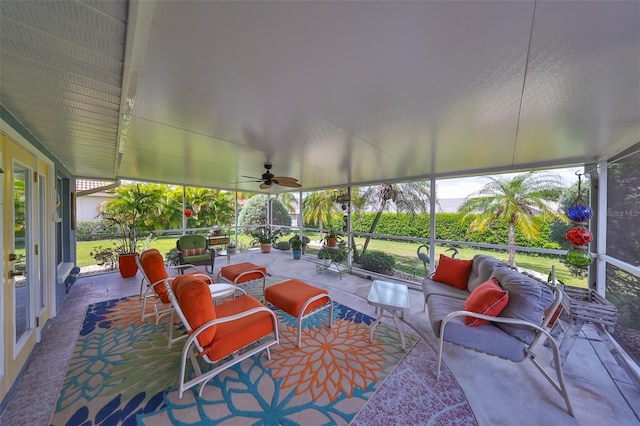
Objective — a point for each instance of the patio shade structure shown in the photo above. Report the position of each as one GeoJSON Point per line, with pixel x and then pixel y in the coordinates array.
{"type": "Point", "coordinates": [333, 94]}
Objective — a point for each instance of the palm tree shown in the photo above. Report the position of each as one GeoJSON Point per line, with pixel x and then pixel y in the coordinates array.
{"type": "Point", "coordinates": [319, 207]}
{"type": "Point", "coordinates": [513, 201]}
{"type": "Point", "coordinates": [289, 201]}
{"type": "Point", "coordinates": [412, 197]}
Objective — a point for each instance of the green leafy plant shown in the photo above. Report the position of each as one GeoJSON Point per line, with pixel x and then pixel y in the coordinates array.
{"type": "Point", "coordinates": [296, 242]}
{"type": "Point", "coordinates": [265, 235]}
{"type": "Point", "coordinates": [377, 261]}
{"type": "Point", "coordinates": [338, 255]}
{"type": "Point", "coordinates": [171, 257]}
{"type": "Point", "coordinates": [105, 256]}
{"type": "Point", "coordinates": [127, 213]}
{"type": "Point", "coordinates": [282, 245]}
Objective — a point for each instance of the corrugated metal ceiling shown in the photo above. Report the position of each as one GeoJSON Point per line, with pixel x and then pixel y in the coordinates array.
{"type": "Point", "coordinates": [332, 93]}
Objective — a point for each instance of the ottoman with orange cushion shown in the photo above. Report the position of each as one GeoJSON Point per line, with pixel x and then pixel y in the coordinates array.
{"type": "Point", "coordinates": [299, 299]}
{"type": "Point", "coordinates": [240, 273]}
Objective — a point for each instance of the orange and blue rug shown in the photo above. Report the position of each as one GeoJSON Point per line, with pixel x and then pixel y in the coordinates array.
{"type": "Point", "coordinates": [122, 373]}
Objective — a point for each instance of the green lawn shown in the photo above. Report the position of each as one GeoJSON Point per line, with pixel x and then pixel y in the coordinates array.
{"type": "Point", "coordinates": [404, 254]}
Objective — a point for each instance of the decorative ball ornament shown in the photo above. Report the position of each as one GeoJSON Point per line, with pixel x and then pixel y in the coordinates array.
{"type": "Point", "coordinates": [579, 257]}
{"type": "Point", "coordinates": [579, 212]}
{"type": "Point", "coordinates": [188, 212]}
{"type": "Point", "coordinates": [579, 236]}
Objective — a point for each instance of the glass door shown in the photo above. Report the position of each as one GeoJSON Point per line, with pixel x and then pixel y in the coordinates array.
{"type": "Point", "coordinates": [21, 254]}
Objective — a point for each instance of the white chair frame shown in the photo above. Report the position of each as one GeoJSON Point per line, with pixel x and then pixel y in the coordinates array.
{"type": "Point", "coordinates": [192, 346]}
{"type": "Point", "coordinates": [541, 334]}
{"type": "Point", "coordinates": [160, 309]}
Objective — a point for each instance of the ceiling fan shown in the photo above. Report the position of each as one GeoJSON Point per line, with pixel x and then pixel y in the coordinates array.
{"type": "Point", "coordinates": [268, 179]}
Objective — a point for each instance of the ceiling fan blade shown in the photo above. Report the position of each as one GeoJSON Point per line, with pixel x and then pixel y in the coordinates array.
{"type": "Point", "coordinates": [281, 179]}
{"type": "Point", "coordinates": [264, 185]}
{"type": "Point", "coordinates": [247, 181]}
{"type": "Point", "coordinates": [289, 184]}
{"type": "Point", "coordinates": [252, 177]}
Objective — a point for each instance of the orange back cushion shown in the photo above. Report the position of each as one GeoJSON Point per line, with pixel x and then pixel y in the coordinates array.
{"type": "Point", "coordinates": [454, 272]}
{"type": "Point", "coordinates": [194, 297]}
{"type": "Point", "coordinates": [153, 265]}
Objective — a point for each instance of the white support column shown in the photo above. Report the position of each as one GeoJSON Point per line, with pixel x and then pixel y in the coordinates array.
{"type": "Point", "coordinates": [432, 226]}
{"type": "Point", "coordinates": [184, 206]}
{"type": "Point", "coordinates": [601, 229]}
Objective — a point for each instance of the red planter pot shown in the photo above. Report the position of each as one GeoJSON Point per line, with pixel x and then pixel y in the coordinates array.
{"type": "Point", "coordinates": [127, 265]}
{"type": "Point", "coordinates": [265, 248]}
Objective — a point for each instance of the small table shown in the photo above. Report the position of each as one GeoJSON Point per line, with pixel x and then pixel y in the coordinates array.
{"type": "Point", "coordinates": [392, 297]}
{"type": "Point", "coordinates": [221, 290]}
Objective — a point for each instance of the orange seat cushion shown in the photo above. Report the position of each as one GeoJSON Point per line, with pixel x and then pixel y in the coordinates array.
{"type": "Point", "coordinates": [231, 272]}
{"type": "Point", "coordinates": [195, 301]}
{"type": "Point", "coordinates": [234, 335]}
{"type": "Point", "coordinates": [291, 295]}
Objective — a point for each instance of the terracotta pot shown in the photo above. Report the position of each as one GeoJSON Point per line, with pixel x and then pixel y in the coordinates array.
{"type": "Point", "coordinates": [127, 265]}
{"type": "Point", "coordinates": [332, 241]}
{"type": "Point", "coordinates": [265, 248]}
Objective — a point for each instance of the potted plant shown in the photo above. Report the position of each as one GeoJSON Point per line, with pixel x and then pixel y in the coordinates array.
{"type": "Point", "coordinates": [305, 241]}
{"type": "Point", "coordinates": [332, 238]}
{"type": "Point", "coordinates": [231, 248]}
{"type": "Point", "coordinates": [296, 246]}
{"type": "Point", "coordinates": [265, 236]}
{"type": "Point", "coordinates": [126, 213]}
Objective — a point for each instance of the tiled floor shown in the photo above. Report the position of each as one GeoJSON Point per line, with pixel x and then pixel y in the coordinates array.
{"type": "Point", "coordinates": [500, 392]}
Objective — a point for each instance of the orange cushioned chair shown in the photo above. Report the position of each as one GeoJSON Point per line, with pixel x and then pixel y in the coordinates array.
{"type": "Point", "coordinates": [238, 327]}
{"type": "Point", "coordinates": [155, 273]}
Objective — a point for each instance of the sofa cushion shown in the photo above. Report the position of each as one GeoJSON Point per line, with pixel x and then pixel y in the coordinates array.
{"type": "Point", "coordinates": [486, 338]}
{"type": "Point", "coordinates": [487, 299]}
{"type": "Point", "coordinates": [454, 272]}
{"type": "Point", "coordinates": [193, 251]}
{"type": "Point", "coordinates": [430, 287]}
{"type": "Point", "coordinates": [483, 267]}
{"type": "Point", "coordinates": [528, 299]}
{"type": "Point", "coordinates": [192, 241]}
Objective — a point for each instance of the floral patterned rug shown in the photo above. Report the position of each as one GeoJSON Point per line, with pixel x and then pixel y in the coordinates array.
{"type": "Point", "coordinates": [122, 372]}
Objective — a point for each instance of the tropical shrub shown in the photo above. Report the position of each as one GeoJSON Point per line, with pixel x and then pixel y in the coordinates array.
{"type": "Point", "coordinates": [377, 261]}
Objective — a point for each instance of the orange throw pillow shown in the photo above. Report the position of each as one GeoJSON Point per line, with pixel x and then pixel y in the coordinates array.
{"type": "Point", "coordinates": [487, 299]}
{"type": "Point", "coordinates": [454, 272]}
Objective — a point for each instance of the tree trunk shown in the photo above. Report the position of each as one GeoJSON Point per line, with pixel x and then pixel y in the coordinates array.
{"type": "Point", "coordinates": [373, 225]}
{"type": "Point", "coordinates": [512, 242]}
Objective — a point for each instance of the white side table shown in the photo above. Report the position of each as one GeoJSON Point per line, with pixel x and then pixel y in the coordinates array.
{"type": "Point", "coordinates": [393, 297]}
{"type": "Point", "coordinates": [221, 290]}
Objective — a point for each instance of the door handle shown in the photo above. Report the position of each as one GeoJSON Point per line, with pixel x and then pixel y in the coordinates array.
{"type": "Point", "coordinates": [15, 274]}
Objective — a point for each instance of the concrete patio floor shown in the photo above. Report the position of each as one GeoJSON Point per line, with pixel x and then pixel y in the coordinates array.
{"type": "Point", "coordinates": [500, 392]}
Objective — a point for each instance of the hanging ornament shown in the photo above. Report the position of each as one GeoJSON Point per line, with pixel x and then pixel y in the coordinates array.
{"type": "Point", "coordinates": [579, 236]}
{"type": "Point", "coordinates": [579, 257]}
{"type": "Point", "coordinates": [188, 212]}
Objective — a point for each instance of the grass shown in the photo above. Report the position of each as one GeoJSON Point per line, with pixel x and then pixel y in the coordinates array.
{"type": "Point", "coordinates": [403, 252]}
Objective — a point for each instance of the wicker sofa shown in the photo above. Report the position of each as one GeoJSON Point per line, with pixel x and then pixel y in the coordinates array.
{"type": "Point", "coordinates": [487, 306]}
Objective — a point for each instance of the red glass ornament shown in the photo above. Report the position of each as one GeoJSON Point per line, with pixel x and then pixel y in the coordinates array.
{"type": "Point", "coordinates": [579, 236]}
{"type": "Point", "coordinates": [187, 212]}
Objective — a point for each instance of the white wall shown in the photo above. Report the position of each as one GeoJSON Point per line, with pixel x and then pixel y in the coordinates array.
{"type": "Point", "coordinates": [87, 205]}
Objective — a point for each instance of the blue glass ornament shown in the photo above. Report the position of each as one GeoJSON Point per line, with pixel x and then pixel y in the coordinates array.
{"type": "Point", "coordinates": [579, 213]}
